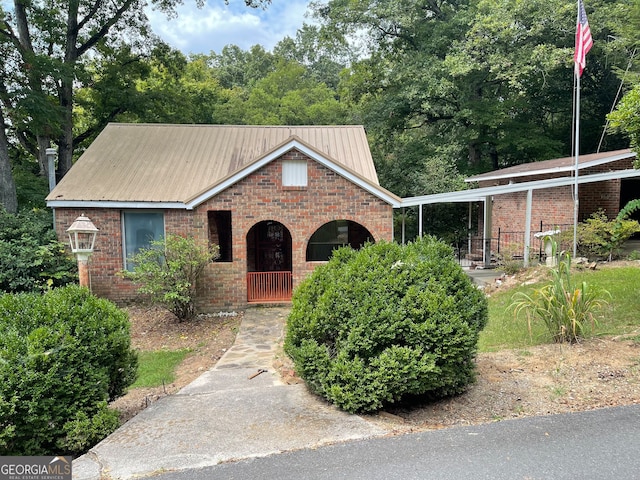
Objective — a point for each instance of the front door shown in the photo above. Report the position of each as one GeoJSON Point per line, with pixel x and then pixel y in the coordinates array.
{"type": "Point", "coordinates": [269, 263]}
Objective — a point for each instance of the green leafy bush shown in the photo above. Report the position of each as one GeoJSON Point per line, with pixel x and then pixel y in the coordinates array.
{"type": "Point", "coordinates": [385, 322]}
{"type": "Point", "coordinates": [62, 355]}
{"type": "Point", "coordinates": [566, 309]}
{"type": "Point", "coordinates": [31, 257]}
{"type": "Point", "coordinates": [83, 432]}
{"type": "Point", "coordinates": [169, 271]}
{"type": "Point", "coordinates": [599, 237]}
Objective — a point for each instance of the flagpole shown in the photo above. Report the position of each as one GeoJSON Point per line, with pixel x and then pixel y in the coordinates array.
{"type": "Point", "coordinates": [577, 155]}
{"type": "Point", "coordinates": [584, 42]}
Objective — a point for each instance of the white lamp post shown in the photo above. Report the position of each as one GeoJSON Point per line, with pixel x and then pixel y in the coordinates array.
{"type": "Point", "coordinates": [82, 238]}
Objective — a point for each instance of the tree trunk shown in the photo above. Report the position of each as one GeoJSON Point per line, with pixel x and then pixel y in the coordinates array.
{"type": "Point", "coordinates": [8, 197]}
{"type": "Point", "coordinates": [65, 141]}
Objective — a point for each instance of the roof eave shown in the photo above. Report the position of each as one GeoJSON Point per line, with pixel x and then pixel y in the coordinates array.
{"type": "Point", "coordinates": [123, 205]}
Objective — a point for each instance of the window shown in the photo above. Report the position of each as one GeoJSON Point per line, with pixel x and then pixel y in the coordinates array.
{"type": "Point", "coordinates": [294, 173]}
{"type": "Point", "coordinates": [220, 233]}
{"type": "Point", "coordinates": [139, 230]}
{"type": "Point", "coordinates": [333, 235]}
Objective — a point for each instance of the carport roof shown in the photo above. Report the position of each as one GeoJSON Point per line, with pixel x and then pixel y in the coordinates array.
{"type": "Point", "coordinates": [556, 165]}
{"type": "Point", "coordinates": [549, 166]}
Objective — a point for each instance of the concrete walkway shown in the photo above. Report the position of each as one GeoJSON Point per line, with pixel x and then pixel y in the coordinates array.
{"type": "Point", "coordinates": [223, 415]}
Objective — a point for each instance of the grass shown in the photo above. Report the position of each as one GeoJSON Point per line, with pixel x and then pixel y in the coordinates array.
{"type": "Point", "coordinates": [157, 367]}
{"type": "Point", "coordinates": [621, 317]}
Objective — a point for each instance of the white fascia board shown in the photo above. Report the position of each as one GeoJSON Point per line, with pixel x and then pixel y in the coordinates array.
{"type": "Point", "coordinates": [278, 153]}
{"type": "Point", "coordinates": [118, 205]}
{"type": "Point", "coordinates": [479, 194]}
{"type": "Point", "coordinates": [548, 171]}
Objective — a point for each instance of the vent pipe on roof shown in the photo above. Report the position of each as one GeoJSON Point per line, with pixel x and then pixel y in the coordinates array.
{"type": "Point", "coordinates": [51, 154]}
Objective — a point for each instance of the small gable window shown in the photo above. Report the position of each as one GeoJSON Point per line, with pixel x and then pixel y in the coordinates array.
{"type": "Point", "coordinates": [294, 173]}
{"type": "Point", "coordinates": [139, 230]}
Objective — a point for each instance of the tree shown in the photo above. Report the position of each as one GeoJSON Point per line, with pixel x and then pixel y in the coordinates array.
{"type": "Point", "coordinates": [626, 116]}
{"type": "Point", "coordinates": [287, 96]}
{"type": "Point", "coordinates": [489, 80]}
{"type": "Point", "coordinates": [48, 49]}
{"type": "Point", "coordinates": [8, 196]}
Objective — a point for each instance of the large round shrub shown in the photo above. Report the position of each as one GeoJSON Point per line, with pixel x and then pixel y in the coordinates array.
{"type": "Point", "coordinates": [387, 321]}
{"type": "Point", "coordinates": [63, 355]}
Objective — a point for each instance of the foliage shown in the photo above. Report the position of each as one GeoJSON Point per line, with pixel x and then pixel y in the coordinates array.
{"type": "Point", "coordinates": [83, 432]}
{"type": "Point", "coordinates": [388, 321]}
{"type": "Point", "coordinates": [31, 257]}
{"type": "Point", "coordinates": [599, 237]}
{"type": "Point", "coordinates": [447, 90]}
{"type": "Point", "coordinates": [509, 261]}
{"type": "Point", "coordinates": [625, 118]}
{"type": "Point", "coordinates": [63, 354]}
{"type": "Point", "coordinates": [567, 309]}
{"type": "Point", "coordinates": [169, 270]}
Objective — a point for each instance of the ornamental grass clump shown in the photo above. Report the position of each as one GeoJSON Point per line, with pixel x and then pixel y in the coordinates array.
{"type": "Point", "coordinates": [374, 326]}
{"type": "Point", "coordinates": [567, 310]}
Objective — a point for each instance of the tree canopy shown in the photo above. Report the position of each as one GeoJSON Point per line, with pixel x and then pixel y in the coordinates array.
{"type": "Point", "coordinates": [444, 88]}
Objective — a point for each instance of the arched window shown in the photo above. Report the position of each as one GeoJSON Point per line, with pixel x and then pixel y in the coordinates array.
{"type": "Point", "coordinates": [333, 235]}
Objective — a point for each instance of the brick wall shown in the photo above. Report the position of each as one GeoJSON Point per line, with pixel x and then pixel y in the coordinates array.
{"type": "Point", "coordinates": [258, 197]}
{"type": "Point", "coordinates": [554, 206]}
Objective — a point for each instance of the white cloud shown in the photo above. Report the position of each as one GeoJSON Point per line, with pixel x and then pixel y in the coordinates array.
{"type": "Point", "coordinates": [216, 25]}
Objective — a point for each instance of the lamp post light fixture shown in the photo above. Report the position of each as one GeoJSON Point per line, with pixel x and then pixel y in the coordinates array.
{"type": "Point", "coordinates": [82, 238]}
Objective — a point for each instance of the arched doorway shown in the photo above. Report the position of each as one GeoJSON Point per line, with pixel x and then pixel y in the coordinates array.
{"type": "Point", "coordinates": [269, 261]}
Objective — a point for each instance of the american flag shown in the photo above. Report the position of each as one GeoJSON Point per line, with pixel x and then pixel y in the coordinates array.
{"type": "Point", "coordinates": [584, 41]}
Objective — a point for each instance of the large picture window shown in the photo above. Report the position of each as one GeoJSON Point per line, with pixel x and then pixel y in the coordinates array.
{"type": "Point", "coordinates": [139, 230]}
{"type": "Point", "coordinates": [333, 235]}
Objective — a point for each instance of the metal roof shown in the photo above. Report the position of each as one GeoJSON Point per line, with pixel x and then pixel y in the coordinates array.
{"type": "Point", "coordinates": [556, 165]}
{"type": "Point", "coordinates": [180, 166]}
{"type": "Point", "coordinates": [481, 194]}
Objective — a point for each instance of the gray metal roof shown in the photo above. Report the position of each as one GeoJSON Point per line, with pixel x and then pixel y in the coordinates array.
{"type": "Point", "coordinates": [173, 165]}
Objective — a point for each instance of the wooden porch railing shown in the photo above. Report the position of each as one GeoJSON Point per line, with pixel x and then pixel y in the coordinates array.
{"type": "Point", "coordinates": [265, 287]}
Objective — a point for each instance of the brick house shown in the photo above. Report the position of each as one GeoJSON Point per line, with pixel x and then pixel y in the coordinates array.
{"type": "Point", "coordinates": [276, 199]}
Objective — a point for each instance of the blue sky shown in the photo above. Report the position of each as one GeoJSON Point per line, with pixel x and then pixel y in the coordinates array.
{"type": "Point", "coordinates": [216, 25]}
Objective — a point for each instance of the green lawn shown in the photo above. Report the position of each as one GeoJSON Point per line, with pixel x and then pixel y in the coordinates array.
{"type": "Point", "coordinates": [157, 367]}
{"type": "Point", "coordinates": [622, 316]}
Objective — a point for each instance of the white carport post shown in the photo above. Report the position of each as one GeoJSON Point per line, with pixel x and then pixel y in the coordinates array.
{"type": "Point", "coordinates": [403, 225]}
{"type": "Point", "coordinates": [488, 220]}
{"type": "Point", "coordinates": [420, 220]}
{"type": "Point", "coordinates": [527, 228]}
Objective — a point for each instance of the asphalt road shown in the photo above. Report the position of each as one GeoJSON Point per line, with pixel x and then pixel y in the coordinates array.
{"type": "Point", "coordinates": [599, 445]}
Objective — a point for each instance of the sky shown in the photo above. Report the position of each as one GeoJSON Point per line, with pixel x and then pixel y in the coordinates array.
{"type": "Point", "coordinates": [215, 25]}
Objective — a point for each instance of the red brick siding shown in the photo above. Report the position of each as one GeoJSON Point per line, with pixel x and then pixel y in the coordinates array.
{"type": "Point", "coordinates": [256, 198]}
{"type": "Point", "coordinates": [554, 206]}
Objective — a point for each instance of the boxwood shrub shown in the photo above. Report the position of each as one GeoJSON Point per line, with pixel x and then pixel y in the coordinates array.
{"type": "Point", "coordinates": [373, 326]}
{"type": "Point", "coordinates": [63, 355]}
